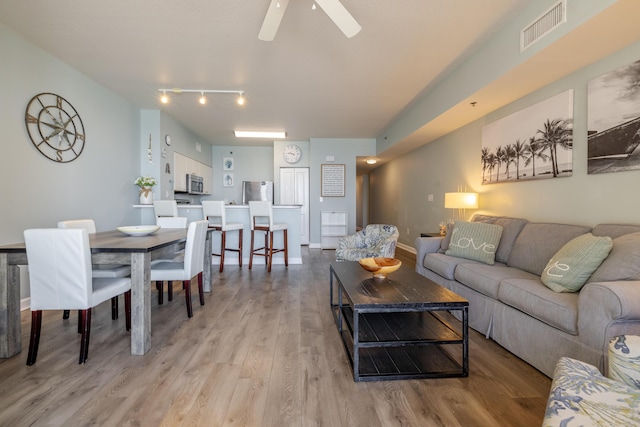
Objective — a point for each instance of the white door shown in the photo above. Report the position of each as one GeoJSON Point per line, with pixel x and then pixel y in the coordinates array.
{"type": "Point", "coordinates": [294, 190]}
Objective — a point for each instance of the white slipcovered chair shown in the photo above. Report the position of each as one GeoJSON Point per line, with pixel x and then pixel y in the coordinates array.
{"type": "Point", "coordinates": [214, 211]}
{"type": "Point", "coordinates": [60, 279]}
{"type": "Point", "coordinates": [192, 265]}
{"type": "Point", "coordinates": [170, 222]}
{"type": "Point", "coordinates": [165, 208]}
{"type": "Point", "coordinates": [98, 270]}
{"type": "Point", "coordinates": [261, 218]}
{"type": "Point", "coordinates": [375, 240]}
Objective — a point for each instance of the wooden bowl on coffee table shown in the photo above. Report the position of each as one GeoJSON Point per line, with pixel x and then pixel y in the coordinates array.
{"type": "Point", "coordinates": [380, 266]}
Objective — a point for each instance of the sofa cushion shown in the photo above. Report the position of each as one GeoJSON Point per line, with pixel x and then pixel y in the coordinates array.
{"type": "Point", "coordinates": [444, 243]}
{"type": "Point", "coordinates": [623, 262]}
{"type": "Point", "coordinates": [485, 278]}
{"type": "Point", "coordinates": [614, 230]}
{"type": "Point", "coordinates": [572, 265]}
{"type": "Point", "coordinates": [530, 296]}
{"type": "Point", "coordinates": [475, 240]}
{"type": "Point", "coordinates": [511, 228]}
{"type": "Point", "coordinates": [538, 242]}
{"type": "Point", "coordinates": [444, 265]}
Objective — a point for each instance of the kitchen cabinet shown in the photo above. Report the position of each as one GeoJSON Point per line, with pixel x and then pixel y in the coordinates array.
{"type": "Point", "coordinates": [183, 165]}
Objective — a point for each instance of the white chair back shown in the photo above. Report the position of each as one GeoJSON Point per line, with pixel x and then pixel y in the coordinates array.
{"type": "Point", "coordinates": [261, 213]}
{"type": "Point", "coordinates": [172, 222]}
{"type": "Point", "coordinates": [87, 224]}
{"type": "Point", "coordinates": [194, 248]}
{"type": "Point", "coordinates": [59, 269]}
{"type": "Point", "coordinates": [215, 212]}
{"type": "Point", "coordinates": [165, 208]}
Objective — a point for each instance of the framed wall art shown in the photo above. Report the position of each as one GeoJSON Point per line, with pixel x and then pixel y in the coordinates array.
{"type": "Point", "coordinates": [332, 180]}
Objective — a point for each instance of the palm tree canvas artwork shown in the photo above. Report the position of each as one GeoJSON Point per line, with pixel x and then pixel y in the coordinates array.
{"type": "Point", "coordinates": [533, 143]}
{"type": "Point", "coordinates": [613, 121]}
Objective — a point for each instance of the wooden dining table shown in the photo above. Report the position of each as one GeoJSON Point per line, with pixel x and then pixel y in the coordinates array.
{"type": "Point", "coordinates": [107, 247]}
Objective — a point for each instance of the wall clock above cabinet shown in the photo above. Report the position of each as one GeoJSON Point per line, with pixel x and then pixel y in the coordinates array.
{"type": "Point", "coordinates": [291, 153]}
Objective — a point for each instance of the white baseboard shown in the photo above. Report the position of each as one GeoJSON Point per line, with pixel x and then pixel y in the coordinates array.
{"type": "Point", "coordinates": [25, 304]}
{"type": "Point", "coordinates": [406, 248]}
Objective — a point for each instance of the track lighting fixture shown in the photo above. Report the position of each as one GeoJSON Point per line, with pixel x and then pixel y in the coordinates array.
{"type": "Point", "coordinates": [202, 99]}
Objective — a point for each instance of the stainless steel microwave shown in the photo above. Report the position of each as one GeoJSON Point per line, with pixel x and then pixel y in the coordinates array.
{"type": "Point", "coordinates": [195, 184]}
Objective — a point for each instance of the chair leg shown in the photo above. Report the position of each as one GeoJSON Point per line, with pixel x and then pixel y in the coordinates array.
{"type": "Point", "coordinates": [34, 341]}
{"type": "Point", "coordinates": [251, 250]}
{"type": "Point", "coordinates": [270, 250]}
{"type": "Point", "coordinates": [200, 288]}
{"type": "Point", "coordinates": [79, 321]}
{"type": "Point", "coordinates": [286, 249]}
{"type": "Point", "coordinates": [86, 332]}
{"type": "Point", "coordinates": [223, 245]}
{"type": "Point", "coordinates": [127, 309]}
{"type": "Point", "coordinates": [114, 308]}
{"type": "Point", "coordinates": [170, 290]}
{"type": "Point", "coordinates": [266, 248]}
{"type": "Point", "coordinates": [159, 286]}
{"type": "Point", "coordinates": [240, 247]}
{"type": "Point", "coordinates": [187, 294]}
{"type": "Point", "coordinates": [65, 314]}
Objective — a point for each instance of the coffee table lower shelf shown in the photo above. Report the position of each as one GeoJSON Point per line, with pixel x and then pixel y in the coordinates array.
{"type": "Point", "coordinates": [402, 345]}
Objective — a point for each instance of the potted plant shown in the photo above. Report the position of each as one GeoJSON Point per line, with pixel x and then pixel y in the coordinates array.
{"type": "Point", "coordinates": [146, 184]}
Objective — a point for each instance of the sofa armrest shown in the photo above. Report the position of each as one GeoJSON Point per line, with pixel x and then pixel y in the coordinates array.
{"type": "Point", "coordinates": [607, 309]}
{"type": "Point", "coordinates": [426, 245]}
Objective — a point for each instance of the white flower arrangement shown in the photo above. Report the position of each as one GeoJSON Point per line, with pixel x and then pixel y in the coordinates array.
{"type": "Point", "coordinates": [145, 181]}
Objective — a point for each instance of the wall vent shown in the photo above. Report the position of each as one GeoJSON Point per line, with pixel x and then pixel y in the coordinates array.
{"type": "Point", "coordinates": [555, 16]}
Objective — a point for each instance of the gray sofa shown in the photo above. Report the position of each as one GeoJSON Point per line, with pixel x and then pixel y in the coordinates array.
{"type": "Point", "coordinates": [509, 303]}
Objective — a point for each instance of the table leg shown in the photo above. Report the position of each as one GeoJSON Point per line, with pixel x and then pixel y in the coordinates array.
{"type": "Point", "coordinates": [206, 272]}
{"type": "Point", "coordinates": [140, 303]}
{"type": "Point", "coordinates": [10, 340]}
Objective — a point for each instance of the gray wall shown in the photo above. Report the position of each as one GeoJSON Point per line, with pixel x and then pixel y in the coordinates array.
{"type": "Point", "coordinates": [399, 189]}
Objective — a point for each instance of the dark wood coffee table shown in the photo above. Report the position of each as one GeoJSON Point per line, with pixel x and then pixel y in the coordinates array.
{"type": "Point", "coordinates": [397, 327]}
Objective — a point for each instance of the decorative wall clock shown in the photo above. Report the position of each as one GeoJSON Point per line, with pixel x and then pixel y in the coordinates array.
{"type": "Point", "coordinates": [55, 127]}
{"type": "Point", "coordinates": [291, 153]}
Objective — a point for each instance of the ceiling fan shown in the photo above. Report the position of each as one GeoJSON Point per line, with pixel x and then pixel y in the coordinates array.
{"type": "Point", "coordinates": [333, 8]}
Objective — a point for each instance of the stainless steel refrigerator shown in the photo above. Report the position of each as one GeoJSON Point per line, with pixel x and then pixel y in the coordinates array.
{"type": "Point", "coordinates": [257, 190]}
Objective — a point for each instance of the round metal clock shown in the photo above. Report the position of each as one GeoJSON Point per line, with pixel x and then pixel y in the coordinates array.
{"type": "Point", "coordinates": [291, 153]}
{"type": "Point", "coordinates": [54, 127]}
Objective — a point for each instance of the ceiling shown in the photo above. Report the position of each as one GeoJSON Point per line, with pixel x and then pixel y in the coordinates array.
{"type": "Point", "coordinates": [311, 80]}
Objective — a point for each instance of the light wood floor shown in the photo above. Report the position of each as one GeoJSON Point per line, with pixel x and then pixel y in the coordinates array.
{"type": "Point", "coordinates": [263, 351]}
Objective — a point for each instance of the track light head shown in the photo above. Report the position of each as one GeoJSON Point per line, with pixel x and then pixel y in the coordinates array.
{"type": "Point", "coordinates": [164, 99]}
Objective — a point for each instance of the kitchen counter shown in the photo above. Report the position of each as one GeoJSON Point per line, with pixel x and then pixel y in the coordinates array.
{"type": "Point", "coordinates": [289, 214]}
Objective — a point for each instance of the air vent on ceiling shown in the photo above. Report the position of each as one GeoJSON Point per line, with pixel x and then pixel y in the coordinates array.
{"type": "Point", "coordinates": [544, 24]}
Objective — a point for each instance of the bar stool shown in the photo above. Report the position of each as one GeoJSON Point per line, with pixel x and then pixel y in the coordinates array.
{"type": "Point", "coordinates": [261, 217]}
{"type": "Point", "coordinates": [215, 212]}
{"type": "Point", "coordinates": [165, 208]}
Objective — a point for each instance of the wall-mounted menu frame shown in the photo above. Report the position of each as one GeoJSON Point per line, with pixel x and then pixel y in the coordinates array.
{"type": "Point", "coordinates": [332, 180]}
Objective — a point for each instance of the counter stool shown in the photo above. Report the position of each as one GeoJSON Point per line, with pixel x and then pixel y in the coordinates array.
{"type": "Point", "coordinates": [261, 217]}
{"type": "Point", "coordinates": [215, 212]}
{"type": "Point", "coordinates": [165, 208]}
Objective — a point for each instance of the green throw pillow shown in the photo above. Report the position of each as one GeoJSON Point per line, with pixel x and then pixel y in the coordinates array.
{"type": "Point", "coordinates": [571, 266]}
{"type": "Point", "coordinates": [475, 240]}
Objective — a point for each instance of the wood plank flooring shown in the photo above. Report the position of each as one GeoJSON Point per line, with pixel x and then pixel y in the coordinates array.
{"type": "Point", "coordinates": [262, 351]}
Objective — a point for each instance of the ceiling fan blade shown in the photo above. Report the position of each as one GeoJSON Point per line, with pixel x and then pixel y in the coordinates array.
{"type": "Point", "coordinates": [272, 20]}
{"type": "Point", "coordinates": [340, 16]}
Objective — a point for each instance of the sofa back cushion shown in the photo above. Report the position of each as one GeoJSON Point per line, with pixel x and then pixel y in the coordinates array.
{"type": "Point", "coordinates": [474, 240]}
{"type": "Point", "coordinates": [614, 230]}
{"type": "Point", "coordinates": [623, 262]}
{"type": "Point", "coordinates": [538, 242]}
{"type": "Point", "coordinates": [511, 228]}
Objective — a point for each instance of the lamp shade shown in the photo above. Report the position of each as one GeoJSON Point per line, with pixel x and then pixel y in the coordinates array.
{"type": "Point", "coordinates": [461, 200]}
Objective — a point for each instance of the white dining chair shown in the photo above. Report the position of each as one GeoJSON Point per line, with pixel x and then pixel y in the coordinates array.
{"type": "Point", "coordinates": [261, 217]}
{"type": "Point", "coordinates": [170, 222]}
{"type": "Point", "coordinates": [192, 265]}
{"type": "Point", "coordinates": [165, 208]}
{"type": "Point", "coordinates": [215, 213]}
{"type": "Point", "coordinates": [60, 278]}
{"type": "Point", "coordinates": [98, 270]}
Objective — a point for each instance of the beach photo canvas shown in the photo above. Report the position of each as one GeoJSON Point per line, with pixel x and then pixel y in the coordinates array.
{"type": "Point", "coordinates": [533, 143]}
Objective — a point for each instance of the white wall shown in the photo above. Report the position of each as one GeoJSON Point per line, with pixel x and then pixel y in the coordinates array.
{"type": "Point", "coordinates": [37, 192]}
{"type": "Point", "coordinates": [399, 189]}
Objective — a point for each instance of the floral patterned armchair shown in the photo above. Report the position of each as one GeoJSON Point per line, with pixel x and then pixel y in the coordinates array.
{"type": "Point", "coordinates": [581, 396]}
{"type": "Point", "coordinates": [376, 240]}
